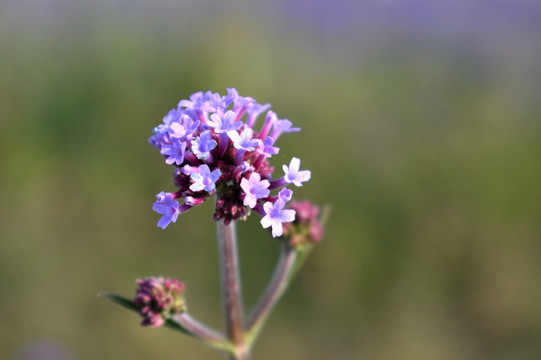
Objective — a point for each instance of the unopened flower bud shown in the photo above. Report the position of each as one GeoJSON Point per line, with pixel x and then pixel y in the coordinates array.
{"type": "Point", "coordinates": [306, 227]}
{"type": "Point", "coordinates": [159, 298]}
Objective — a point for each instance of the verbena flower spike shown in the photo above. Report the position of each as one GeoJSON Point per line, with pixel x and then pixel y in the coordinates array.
{"type": "Point", "coordinates": [217, 147]}
{"type": "Point", "coordinates": [215, 151]}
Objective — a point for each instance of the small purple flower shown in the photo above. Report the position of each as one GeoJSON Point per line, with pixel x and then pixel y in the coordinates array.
{"type": "Point", "coordinates": [202, 146]}
{"type": "Point", "coordinates": [243, 141]}
{"type": "Point", "coordinates": [174, 152]}
{"type": "Point", "coordinates": [177, 130]}
{"type": "Point", "coordinates": [232, 94]}
{"type": "Point", "coordinates": [183, 128]}
{"type": "Point", "coordinates": [160, 136]}
{"type": "Point", "coordinates": [285, 195]}
{"type": "Point", "coordinates": [195, 102]}
{"type": "Point", "coordinates": [266, 149]}
{"type": "Point", "coordinates": [168, 207]}
{"type": "Point", "coordinates": [159, 298]}
{"type": "Point", "coordinates": [224, 123]}
{"type": "Point", "coordinates": [282, 126]}
{"type": "Point", "coordinates": [204, 180]}
{"type": "Point", "coordinates": [275, 215]}
{"type": "Point", "coordinates": [293, 175]}
{"type": "Point", "coordinates": [242, 102]}
{"type": "Point", "coordinates": [213, 101]}
{"type": "Point", "coordinates": [253, 111]}
{"type": "Point", "coordinates": [254, 188]}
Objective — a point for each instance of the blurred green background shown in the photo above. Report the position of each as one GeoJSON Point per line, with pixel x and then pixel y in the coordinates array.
{"type": "Point", "coordinates": [421, 125]}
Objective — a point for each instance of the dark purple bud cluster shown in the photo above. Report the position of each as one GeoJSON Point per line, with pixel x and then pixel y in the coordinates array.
{"type": "Point", "coordinates": [159, 298]}
{"type": "Point", "coordinates": [306, 227]}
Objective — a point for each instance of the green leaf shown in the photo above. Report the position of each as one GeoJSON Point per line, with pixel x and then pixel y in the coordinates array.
{"type": "Point", "coordinates": [122, 301]}
{"type": "Point", "coordinates": [131, 305]}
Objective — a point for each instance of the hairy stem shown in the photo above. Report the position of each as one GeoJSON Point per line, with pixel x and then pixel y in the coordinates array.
{"type": "Point", "coordinates": [285, 270]}
{"type": "Point", "coordinates": [209, 336]}
{"type": "Point", "coordinates": [231, 288]}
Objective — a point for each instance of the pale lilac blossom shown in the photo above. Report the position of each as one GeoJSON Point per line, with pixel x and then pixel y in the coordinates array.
{"type": "Point", "coordinates": [174, 151]}
{"type": "Point", "coordinates": [282, 126]}
{"type": "Point", "coordinates": [204, 180]}
{"type": "Point", "coordinates": [202, 146]}
{"type": "Point", "coordinates": [254, 188]}
{"type": "Point", "coordinates": [292, 173]}
{"type": "Point", "coordinates": [224, 123]}
{"type": "Point", "coordinates": [265, 147]}
{"type": "Point", "coordinates": [275, 216]}
{"type": "Point", "coordinates": [243, 141]}
{"type": "Point", "coordinates": [168, 207]}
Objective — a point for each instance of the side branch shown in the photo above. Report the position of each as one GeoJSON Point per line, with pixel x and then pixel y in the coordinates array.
{"type": "Point", "coordinates": [285, 270]}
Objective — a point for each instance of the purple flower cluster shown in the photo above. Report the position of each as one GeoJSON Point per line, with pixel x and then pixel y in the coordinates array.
{"type": "Point", "coordinates": [159, 298]}
{"type": "Point", "coordinates": [211, 141]}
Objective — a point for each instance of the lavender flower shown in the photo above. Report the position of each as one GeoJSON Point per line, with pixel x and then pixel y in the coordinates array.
{"type": "Point", "coordinates": [244, 140]}
{"type": "Point", "coordinates": [202, 146]}
{"type": "Point", "coordinates": [159, 298]}
{"type": "Point", "coordinates": [293, 175]}
{"type": "Point", "coordinates": [282, 126]}
{"type": "Point", "coordinates": [285, 195]}
{"type": "Point", "coordinates": [168, 207]}
{"type": "Point", "coordinates": [204, 180]}
{"type": "Point", "coordinates": [224, 123]}
{"type": "Point", "coordinates": [174, 152]}
{"type": "Point", "coordinates": [275, 215]}
{"type": "Point", "coordinates": [266, 149]}
{"type": "Point", "coordinates": [254, 188]}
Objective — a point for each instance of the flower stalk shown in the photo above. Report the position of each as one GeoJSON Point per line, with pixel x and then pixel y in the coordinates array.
{"type": "Point", "coordinates": [289, 262]}
{"type": "Point", "coordinates": [231, 288]}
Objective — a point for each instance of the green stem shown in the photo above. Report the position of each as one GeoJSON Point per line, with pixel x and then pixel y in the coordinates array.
{"type": "Point", "coordinates": [207, 335]}
{"type": "Point", "coordinates": [288, 264]}
{"type": "Point", "coordinates": [231, 289]}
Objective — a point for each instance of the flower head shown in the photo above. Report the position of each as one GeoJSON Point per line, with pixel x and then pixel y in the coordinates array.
{"type": "Point", "coordinates": [159, 298]}
{"type": "Point", "coordinates": [212, 142]}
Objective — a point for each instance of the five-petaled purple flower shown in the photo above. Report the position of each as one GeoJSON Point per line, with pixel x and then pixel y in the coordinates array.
{"type": "Point", "coordinates": [174, 152]}
{"type": "Point", "coordinates": [204, 179]}
{"type": "Point", "coordinates": [254, 188]}
{"type": "Point", "coordinates": [168, 207]}
{"type": "Point", "coordinates": [212, 142]}
{"type": "Point", "coordinates": [293, 175]}
{"type": "Point", "coordinates": [275, 215]}
{"type": "Point", "coordinates": [202, 146]}
{"type": "Point", "coordinates": [224, 123]}
{"type": "Point", "coordinates": [244, 141]}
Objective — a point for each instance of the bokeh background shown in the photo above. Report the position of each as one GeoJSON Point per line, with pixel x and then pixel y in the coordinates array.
{"type": "Point", "coordinates": [421, 123]}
